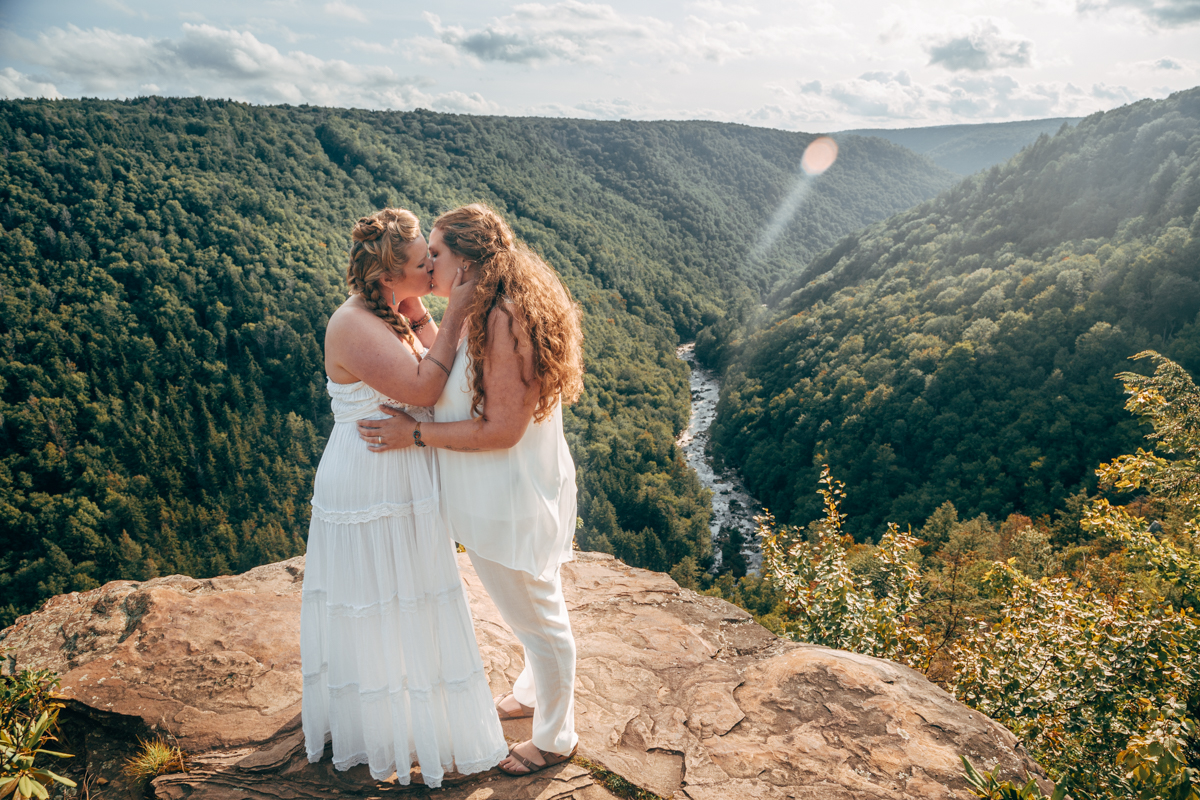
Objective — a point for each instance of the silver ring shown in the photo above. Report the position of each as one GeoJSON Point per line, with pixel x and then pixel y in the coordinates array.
{"type": "Point", "coordinates": [379, 440]}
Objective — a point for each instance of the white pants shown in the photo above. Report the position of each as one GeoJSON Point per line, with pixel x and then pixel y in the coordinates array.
{"type": "Point", "coordinates": [537, 614]}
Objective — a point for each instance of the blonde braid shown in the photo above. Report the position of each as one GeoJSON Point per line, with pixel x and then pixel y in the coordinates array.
{"type": "Point", "coordinates": [374, 254]}
{"type": "Point", "coordinates": [378, 305]}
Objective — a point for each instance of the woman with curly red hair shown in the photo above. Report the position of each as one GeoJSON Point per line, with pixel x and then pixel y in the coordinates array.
{"type": "Point", "coordinates": [508, 481]}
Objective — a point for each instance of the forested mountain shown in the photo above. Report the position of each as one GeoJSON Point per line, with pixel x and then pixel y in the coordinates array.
{"type": "Point", "coordinates": [167, 268]}
{"type": "Point", "coordinates": [966, 149]}
{"type": "Point", "coordinates": [965, 350]}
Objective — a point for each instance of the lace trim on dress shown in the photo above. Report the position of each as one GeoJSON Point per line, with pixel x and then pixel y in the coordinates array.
{"type": "Point", "coordinates": [426, 505]}
{"type": "Point", "coordinates": [422, 694]}
{"type": "Point", "coordinates": [407, 604]}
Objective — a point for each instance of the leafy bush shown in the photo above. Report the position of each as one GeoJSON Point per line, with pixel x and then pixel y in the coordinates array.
{"type": "Point", "coordinates": [988, 786]}
{"type": "Point", "coordinates": [28, 714]}
{"type": "Point", "coordinates": [828, 603]}
{"type": "Point", "coordinates": [1094, 664]}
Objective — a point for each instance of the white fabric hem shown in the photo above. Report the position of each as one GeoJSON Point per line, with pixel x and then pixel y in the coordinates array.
{"type": "Point", "coordinates": [405, 779]}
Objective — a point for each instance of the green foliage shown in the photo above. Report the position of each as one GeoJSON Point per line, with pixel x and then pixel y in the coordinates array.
{"type": "Point", "coordinates": [167, 268]}
{"type": "Point", "coordinates": [28, 715]}
{"type": "Point", "coordinates": [1074, 673]}
{"type": "Point", "coordinates": [1156, 761]}
{"type": "Point", "coordinates": [1088, 649]}
{"type": "Point", "coordinates": [962, 351]}
{"type": "Point", "coordinates": [987, 785]}
{"type": "Point", "coordinates": [827, 603]}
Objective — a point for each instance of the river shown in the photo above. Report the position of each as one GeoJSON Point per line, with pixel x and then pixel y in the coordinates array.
{"type": "Point", "coordinates": [733, 506]}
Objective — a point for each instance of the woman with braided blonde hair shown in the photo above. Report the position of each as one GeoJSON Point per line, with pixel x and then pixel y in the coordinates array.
{"type": "Point", "coordinates": [508, 481]}
{"type": "Point", "coordinates": [392, 672]}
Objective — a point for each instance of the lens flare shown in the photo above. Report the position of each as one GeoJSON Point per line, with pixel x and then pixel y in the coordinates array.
{"type": "Point", "coordinates": [819, 155]}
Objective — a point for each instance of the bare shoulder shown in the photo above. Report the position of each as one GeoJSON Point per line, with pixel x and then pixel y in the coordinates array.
{"type": "Point", "coordinates": [350, 315]}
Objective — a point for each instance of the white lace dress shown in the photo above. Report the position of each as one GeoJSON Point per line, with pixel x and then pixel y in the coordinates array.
{"type": "Point", "coordinates": [392, 672]}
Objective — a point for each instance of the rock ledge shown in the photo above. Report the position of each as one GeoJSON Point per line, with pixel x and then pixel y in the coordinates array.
{"type": "Point", "coordinates": [681, 694]}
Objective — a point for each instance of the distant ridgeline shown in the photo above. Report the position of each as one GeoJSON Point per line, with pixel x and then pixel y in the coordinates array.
{"type": "Point", "coordinates": [965, 350]}
{"type": "Point", "coordinates": [167, 268]}
{"type": "Point", "coordinates": [966, 149]}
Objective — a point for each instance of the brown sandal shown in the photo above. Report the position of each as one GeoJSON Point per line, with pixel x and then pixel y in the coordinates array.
{"type": "Point", "coordinates": [551, 759]}
{"type": "Point", "coordinates": [523, 712]}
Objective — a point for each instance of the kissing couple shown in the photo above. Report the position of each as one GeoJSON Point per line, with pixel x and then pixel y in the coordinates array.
{"type": "Point", "coordinates": [441, 436]}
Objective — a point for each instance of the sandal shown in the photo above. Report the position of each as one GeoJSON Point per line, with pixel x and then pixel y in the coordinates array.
{"type": "Point", "coordinates": [551, 759]}
{"type": "Point", "coordinates": [523, 711]}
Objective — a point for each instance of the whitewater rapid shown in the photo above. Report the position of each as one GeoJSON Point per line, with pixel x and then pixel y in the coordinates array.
{"type": "Point", "coordinates": [733, 506]}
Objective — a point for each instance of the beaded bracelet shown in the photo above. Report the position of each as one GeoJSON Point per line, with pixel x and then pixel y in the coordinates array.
{"type": "Point", "coordinates": [421, 323]}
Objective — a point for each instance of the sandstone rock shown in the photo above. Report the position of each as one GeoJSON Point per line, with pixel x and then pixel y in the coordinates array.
{"type": "Point", "coordinates": [680, 694]}
{"type": "Point", "coordinates": [216, 663]}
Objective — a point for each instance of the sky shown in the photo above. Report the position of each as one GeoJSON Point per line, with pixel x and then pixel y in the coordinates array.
{"type": "Point", "coordinates": [796, 65]}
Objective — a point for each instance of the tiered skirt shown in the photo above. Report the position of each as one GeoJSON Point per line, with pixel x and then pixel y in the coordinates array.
{"type": "Point", "coordinates": [392, 672]}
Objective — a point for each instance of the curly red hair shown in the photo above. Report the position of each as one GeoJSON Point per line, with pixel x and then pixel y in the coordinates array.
{"type": "Point", "coordinates": [509, 270]}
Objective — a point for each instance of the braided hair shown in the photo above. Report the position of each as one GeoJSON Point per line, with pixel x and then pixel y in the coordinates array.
{"type": "Point", "coordinates": [508, 270]}
{"type": "Point", "coordinates": [376, 252]}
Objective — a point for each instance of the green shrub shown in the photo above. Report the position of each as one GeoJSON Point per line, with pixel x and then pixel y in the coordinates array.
{"type": "Point", "coordinates": [28, 715]}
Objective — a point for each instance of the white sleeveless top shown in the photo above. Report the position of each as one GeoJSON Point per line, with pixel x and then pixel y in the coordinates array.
{"type": "Point", "coordinates": [516, 506]}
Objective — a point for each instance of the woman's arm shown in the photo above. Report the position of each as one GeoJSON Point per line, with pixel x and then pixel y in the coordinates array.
{"type": "Point", "coordinates": [360, 346]}
{"type": "Point", "coordinates": [508, 407]}
{"type": "Point", "coordinates": [415, 310]}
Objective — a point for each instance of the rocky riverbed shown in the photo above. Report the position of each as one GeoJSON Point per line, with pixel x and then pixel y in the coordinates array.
{"type": "Point", "coordinates": [733, 506]}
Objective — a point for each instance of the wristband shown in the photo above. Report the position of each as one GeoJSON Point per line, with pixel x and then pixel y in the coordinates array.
{"type": "Point", "coordinates": [421, 323]}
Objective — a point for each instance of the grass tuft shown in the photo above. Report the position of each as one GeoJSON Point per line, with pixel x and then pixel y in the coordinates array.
{"type": "Point", "coordinates": [614, 782]}
{"type": "Point", "coordinates": [155, 758]}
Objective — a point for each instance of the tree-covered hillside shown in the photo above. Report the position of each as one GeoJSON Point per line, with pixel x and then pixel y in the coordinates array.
{"type": "Point", "coordinates": [966, 149]}
{"type": "Point", "coordinates": [964, 350]}
{"type": "Point", "coordinates": [167, 268]}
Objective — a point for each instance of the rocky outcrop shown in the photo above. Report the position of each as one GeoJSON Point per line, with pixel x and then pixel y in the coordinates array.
{"type": "Point", "coordinates": [680, 694]}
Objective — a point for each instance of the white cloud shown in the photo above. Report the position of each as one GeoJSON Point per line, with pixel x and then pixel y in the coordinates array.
{"type": "Point", "coordinates": [571, 31]}
{"type": "Point", "coordinates": [1158, 13]}
{"type": "Point", "coordinates": [896, 98]}
{"type": "Point", "coordinates": [14, 85]}
{"type": "Point", "coordinates": [868, 96]}
{"type": "Point", "coordinates": [217, 63]}
{"type": "Point", "coordinates": [1113, 94]}
{"type": "Point", "coordinates": [576, 32]}
{"type": "Point", "coordinates": [343, 10]}
{"type": "Point", "coordinates": [1166, 64]}
{"type": "Point", "coordinates": [355, 45]}
{"type": "Point", "coordinates": [265, 26]}
{"type": "Point", "coordinates": [98, 60]}
{"type": "Point", "coordinates": [461, 103]}
{"type": "Point", "coordinates": [717, 42]}
{"type": "Point", "coordinates": [986, 46]}
{"type": "Point", "coordinates": [739, 10]}
{"type": "Point", "coordinates": [125, 9]}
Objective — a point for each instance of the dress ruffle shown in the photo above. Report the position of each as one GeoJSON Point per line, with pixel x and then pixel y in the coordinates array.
{"type": "Point", "coordinates": [392, 672]}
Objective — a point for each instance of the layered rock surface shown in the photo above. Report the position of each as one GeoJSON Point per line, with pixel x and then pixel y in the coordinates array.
{"type": "Point", "coordinates": [680, 694]}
